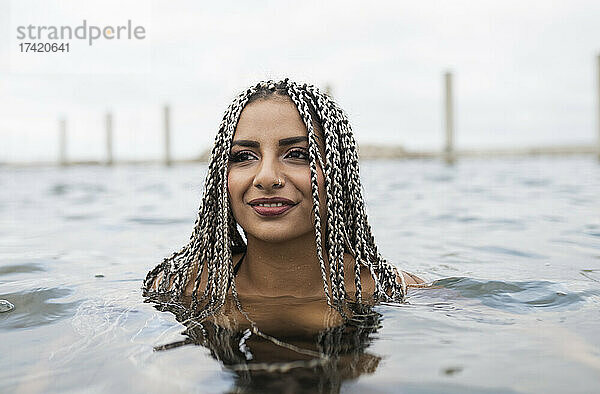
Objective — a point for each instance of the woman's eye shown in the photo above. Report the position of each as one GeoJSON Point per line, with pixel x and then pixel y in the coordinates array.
{"type": "Point", "coordinates": [240, 156]}
{"type": "Point", "coordinates": [298, 154]}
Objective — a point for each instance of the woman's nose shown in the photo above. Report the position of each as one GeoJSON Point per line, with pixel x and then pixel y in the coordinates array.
{"type": "Point", "coordinates": [268, 175]}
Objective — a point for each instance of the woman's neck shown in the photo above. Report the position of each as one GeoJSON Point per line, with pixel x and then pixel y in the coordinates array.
{"type": "Point", "coordinates": [288, 268]}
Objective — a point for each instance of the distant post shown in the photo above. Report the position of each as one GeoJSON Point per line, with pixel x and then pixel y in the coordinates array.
{"type": "Point", "coordinates": [62, 141]}
{"type": "Point", "coordinates": [167, 119]}
{"type": "Point", "coordinates": [109, 139]}
{"type": "Point", "coordinates": [598, 108]}
{"type": "Point", "coordinates": [449, 107]}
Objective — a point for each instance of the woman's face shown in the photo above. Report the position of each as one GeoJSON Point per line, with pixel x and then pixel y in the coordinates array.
{"type": "Point", "coordinates": [269, 160]}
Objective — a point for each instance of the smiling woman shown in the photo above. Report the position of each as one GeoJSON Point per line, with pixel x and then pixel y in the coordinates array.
{"type": "Point", "coordinates": [284, 169]}
{"type": "Point", "coordinates": [269, 175]}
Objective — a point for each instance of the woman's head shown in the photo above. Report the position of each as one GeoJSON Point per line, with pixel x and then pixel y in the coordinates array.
{"type": "Point", "coordinates": [269, 164]}
{"type": "Point", "coordinates": [320, 174]}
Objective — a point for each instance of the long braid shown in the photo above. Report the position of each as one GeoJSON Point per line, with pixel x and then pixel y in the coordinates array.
{"type": "Point", "coordinates": [215, 233]}
{"type": "Point", "coordinates": [220, 260]}
{"type": "Point", "coordinates": [333, 190]}
{"type": "Point", "coordinates": [339, 225]}
{"type": "Point", "coordinates": [332, 113]}
{"type": "Point", "coordinates": [314, 154]}
{"type": "Point", "coordinates": [356, 208]}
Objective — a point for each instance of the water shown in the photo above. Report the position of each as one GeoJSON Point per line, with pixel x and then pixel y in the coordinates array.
{"type": "Point", "coordinates": [512, 246]}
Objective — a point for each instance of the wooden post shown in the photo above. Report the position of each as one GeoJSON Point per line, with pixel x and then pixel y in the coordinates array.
{"type": "Point", "coordinates": [109, 139]}
{"type": "Point", "coordinates": [598, 108]}
{"type": "Point", "coordinates": [449, 106]}
{"type": "Point", "coordinates": [167, 124]}
{"type": "Point", "coordinates": [62, 141]}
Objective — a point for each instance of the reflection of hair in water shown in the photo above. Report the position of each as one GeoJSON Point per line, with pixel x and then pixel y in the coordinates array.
{"type": "Point", "coordinates": [318, 362]}
{"type": "Point", "coordinates": [215, 236]}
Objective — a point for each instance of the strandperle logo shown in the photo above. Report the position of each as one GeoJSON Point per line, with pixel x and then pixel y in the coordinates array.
{"type": "Point", "coordinates": [81, 32]}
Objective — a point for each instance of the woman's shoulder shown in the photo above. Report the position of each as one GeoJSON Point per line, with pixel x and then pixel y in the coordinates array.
{"type": "Point", "coordinates": [411, 279]}
{"type": "Point", "coordinates": [368, 285]}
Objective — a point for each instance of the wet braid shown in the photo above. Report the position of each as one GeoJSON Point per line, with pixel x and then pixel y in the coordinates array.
{"type": "Point", "coordinates": [333, 191]}
{"type": "Point", "coordinates": [346, 229]}
{"type": "Point", "coordinates": [313, 150]}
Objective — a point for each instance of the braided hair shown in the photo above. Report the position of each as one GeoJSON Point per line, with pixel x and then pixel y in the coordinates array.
{"type": "Point", "coordinates": [216, 237]}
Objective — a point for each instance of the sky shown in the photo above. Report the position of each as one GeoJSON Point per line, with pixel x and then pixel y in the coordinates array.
{"type": "Point", "coordinates": [525, 72]}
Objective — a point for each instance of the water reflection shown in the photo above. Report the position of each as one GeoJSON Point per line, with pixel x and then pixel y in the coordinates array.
{"type": "Point", "coordinates": [284, 345]}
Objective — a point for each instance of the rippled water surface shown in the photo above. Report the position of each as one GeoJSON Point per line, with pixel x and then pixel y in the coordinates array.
{"type": "Point", "coordinates": [512, 247]}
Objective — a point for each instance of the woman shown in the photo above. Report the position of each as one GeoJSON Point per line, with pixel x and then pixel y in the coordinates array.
{"type": "Point", "coordinates": [284, 152]}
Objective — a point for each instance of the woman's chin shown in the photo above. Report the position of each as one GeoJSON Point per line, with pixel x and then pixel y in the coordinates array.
{"type": "Point", "coordinates": [275, 238]}
{"type": "Point", "coordinates": [277, 235]}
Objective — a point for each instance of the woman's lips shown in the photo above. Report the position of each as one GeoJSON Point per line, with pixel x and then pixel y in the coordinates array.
{"type": "Point", "coordinates": [272, 211]}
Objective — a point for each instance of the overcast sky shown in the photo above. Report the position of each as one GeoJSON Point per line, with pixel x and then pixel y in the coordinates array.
{"type": "Point", "coordinates": [525, 71]}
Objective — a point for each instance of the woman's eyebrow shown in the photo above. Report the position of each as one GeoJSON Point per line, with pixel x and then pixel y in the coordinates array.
{"type": "Point", "coordinates": [282, 142]}
{"type": "Point", "coordinates": [248, 143]}
{"type": "Point", "coordinates": [293, 140]}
